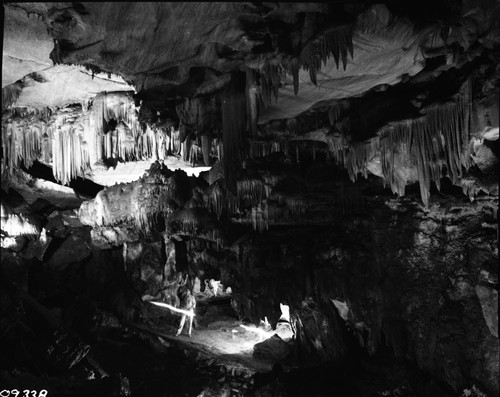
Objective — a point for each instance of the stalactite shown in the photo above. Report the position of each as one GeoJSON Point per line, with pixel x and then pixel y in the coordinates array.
{"type": "Point", "coordinates": [252, 92]}
{"type": "Point", "coordinates": [354, 159]}
{"type": "Point", "coordinates": [335, 111]}
{"type": "Point", "coordinates": [293, 69]}
{"type": "Point", "coordinates": [337, 143]}
{"type": "Point", "coordinates": [22, 139]}
{"type": "Point", "coordinates": [175, 142]}
{"type": "Point", "coordinates": [269, 82]}
{"type": "Point", "coordinates": [269, 182]}
{"type": "Point", "coordinates": [265, 148]}
{"type": "Point", "coordinates": [46, 145]}
{"type": "Point", "coordinates": [151, 147]}
{"type": "Point", "coordinates": [126, 142]}
{"type": "Point", "coordinates": [250, 189]}
{"type": "Point", "coordinates": [233, 128]}
{"type": "Point", "coordinates": [259, 217]}
{"type": "Point", "coordinates": [119, 106]}
{"type": "Point", "coordinates": [48, 133]}
{"type": "Point", "coordinates": [220, 150]}
{"type": "Point", "coordinates": [10, 94]}
{"type": "Point", "coordinates": [205, 147]}
{"type": "Point", "coordinates": [296, 205]}
{"type": "Point", "coordinates": [395, 152]}
{"type": "Point", "coordinates": [67, 161]}
{"type": "Point", "coordinates": [336, 41]}
{"type": "Point", "coordinates": [444, 129]}
{"type": "Point", "coordinates": [217, 199]}
{"type": "Point", "coordinates": [9, 158]}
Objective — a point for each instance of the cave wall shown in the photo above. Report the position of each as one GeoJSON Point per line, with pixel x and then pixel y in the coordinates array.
{"type": "Point", "coordinates": [422, 283]}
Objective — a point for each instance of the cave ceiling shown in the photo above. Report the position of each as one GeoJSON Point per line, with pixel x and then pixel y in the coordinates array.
{"type": "Point", "coordinates": [177, 50]}
{"type": "Point", "coordinates": [334, 75]}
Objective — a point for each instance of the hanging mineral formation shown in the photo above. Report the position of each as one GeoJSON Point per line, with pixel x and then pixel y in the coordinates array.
{"type": "Point", "coordinates": [442, 132]}
{"type": "Point", "coordinates": [233, 127]}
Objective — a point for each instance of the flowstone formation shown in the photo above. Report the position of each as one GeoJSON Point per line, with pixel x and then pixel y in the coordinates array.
{"type": "Point", "coordinates": [322, 178]}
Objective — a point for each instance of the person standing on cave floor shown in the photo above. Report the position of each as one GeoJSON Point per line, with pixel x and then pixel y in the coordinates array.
{"type": "Point", "coordinates": [190, 305]}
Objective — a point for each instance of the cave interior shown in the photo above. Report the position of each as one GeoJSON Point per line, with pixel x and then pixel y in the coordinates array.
{"type": "Point", "coordinates": [250, 198]}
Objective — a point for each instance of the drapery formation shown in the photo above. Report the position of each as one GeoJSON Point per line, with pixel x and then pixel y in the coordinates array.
{"type": "Point", "coordinates": [20, 141]}
{"type": "Point", "coordinates": [72, 138]}
{"type": "Point", "coordinates": [352, 156]}
{"type": "Point", "coordinates": [75, 138]}
{"type": "Point", "coordinates": [438, 139]}
{"type": "Point", "coordinates": [442, 133]}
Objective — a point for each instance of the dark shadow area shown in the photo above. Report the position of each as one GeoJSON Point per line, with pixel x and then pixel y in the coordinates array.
{"type": "Point", "coordinates": [80, 185]}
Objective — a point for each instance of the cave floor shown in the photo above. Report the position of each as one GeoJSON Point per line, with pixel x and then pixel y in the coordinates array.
{"type": "Point", "coordinates": [217, 342]}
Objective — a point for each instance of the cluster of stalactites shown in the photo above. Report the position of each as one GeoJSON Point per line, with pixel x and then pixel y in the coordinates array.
{"type": "Point", "coordinates": [251, 190]}
{"type": "Point", "coordinates": [217, 199]}
{"type": "Point", "coordinates": [268, 212]}
{"type": "Point", "coordinates": [394, 152]}
{"type": "Point", "coordinates": [443, 131]}
{"type": "Point", "coordinates": [257, 194]}
{"type": "Point", "coordinates": [21, 141]}
{"type": "Point", "coordinates": [352, 156]}
{"type": "Point", "coordinates": [196, 221]}
{"type": "Point", "coordinates": [73, 139]}
{"type": "Point", "coordinates": [69, 158]}
{"type": "Point", "coordinates": [265, 148]}
{"type": "Point", "coordinates": [149, 144]}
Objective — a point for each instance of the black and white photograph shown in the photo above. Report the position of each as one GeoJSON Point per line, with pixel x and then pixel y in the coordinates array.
{"type": "Point", "coordinates": [250, 199]}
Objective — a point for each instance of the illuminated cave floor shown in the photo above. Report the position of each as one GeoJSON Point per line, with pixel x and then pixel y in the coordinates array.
{"type": "Point", "coordinates": [217, 334]}
{"type": "Point", "coordinates": [218, 344]}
